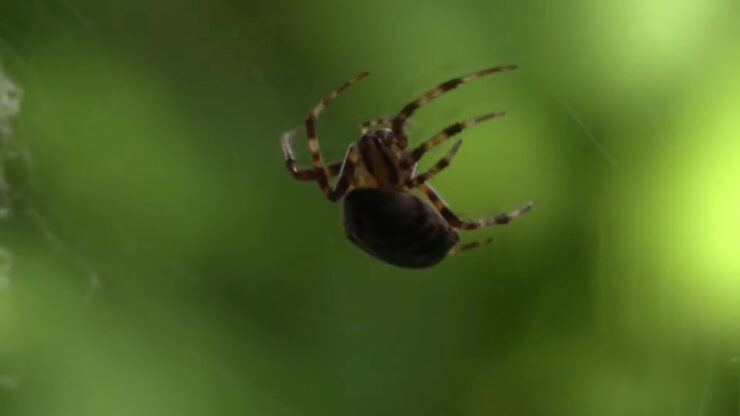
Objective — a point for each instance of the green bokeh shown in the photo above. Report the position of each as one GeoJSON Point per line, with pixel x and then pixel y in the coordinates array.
{"type": "Point", "coordinates": [156, 258]}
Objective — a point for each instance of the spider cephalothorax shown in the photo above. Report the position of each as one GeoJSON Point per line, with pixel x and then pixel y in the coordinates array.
{"type": "Point", "coordinates": [380, 160]}
{"type": "Point", "coordinates": [380, 213]}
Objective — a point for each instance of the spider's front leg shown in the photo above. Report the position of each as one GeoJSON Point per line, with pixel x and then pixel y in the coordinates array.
{"type": "Point", "coordinates": [313, 141]}
{"type": "Point", "coordinates": [303, 174]}
{"type": "Point", "coordinates": [345, 169]}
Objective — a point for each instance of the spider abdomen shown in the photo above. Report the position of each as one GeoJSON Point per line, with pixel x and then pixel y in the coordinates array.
{"type": "Point", "coordinates": [397, 227]}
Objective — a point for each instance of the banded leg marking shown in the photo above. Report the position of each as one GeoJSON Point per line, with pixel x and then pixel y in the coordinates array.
{"type": "Point", "coordinates": [290, 162]}
{"type": "Point", "coordinates": [457, 222]}
{"type": "Point", "coordinates": [379, 121]}
{"type": "Point", "coordinates": [415, 155]}
{"type": "Point", "coordinates": [313, 141]}
{"type": "Point", "coordinates": [408, 109]}
{"type": "Point", "coordinates": [439, 166]}
{"type": "Point", "coordinates": [374, 122]}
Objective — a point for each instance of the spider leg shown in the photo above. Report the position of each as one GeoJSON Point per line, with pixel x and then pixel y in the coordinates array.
{"type": "Point", "coordinates": [365, 126]}
{"type": "Point", "coordinates": [457, 222]}
{"type": "Point", "coordinates": [469, 246]}
{"type": "Point", "coordinates": [417, 180]}
{"type": "Point", "coordinates": [346, 174]}
{"type": "Point", "coordinates": [399, 120]}
{"type": "Point", "coordinates": [303, 174]}
{"type": "Point", "coordinates": [313, 141]}
{"type": "Point", "coordinates": [413, 156]}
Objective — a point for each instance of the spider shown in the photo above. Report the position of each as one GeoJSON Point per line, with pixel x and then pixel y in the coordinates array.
{"type": "Point", "coordinates": [380, 214]}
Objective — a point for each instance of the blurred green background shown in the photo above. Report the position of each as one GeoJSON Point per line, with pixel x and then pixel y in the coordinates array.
{"type": "Point", "coordinates": [156, 258]}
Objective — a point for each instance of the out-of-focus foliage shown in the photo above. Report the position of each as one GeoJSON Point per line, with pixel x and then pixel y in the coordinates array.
{"type": "Point", "coordinates": [156, 258]}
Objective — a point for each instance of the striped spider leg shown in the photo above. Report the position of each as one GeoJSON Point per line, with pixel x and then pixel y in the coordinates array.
{"type": "Point", "coordinates": [420, 182]}
{"type": "Point", "coordinates": [309, 174]}
{"type": "Point", "coordinates": [321, 173]}
{"type": "Point", "coordinates": [410, 158]}
{"type": "Point", "coordinates": [457, 222]}
{"type": "Point", "coordinates": [398, 121]}
{"type": "Point", "coordinates": [380, 121]}
{"type": "Point", "coordinates": [374, 122]}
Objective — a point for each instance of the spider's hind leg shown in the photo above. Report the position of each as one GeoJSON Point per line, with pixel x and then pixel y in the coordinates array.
{"type": "Point", "coordinates": [469, 246]}
{"type": "Point", "coordinates": [457, 222]}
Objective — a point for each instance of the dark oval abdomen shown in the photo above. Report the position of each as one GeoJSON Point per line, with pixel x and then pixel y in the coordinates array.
{"type": "Point", "coordinates": [397, 227]}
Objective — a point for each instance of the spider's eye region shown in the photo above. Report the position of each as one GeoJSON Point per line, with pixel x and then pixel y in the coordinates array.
{"type": "Point", "coordinates": [383, 137]}
{"type": "Point", "coordinates": [382, 140]}
{"type": "Point", "coordinates": [376, 137]}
